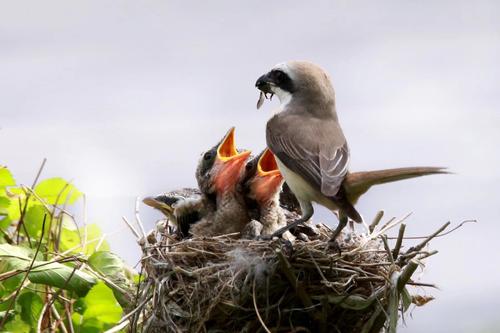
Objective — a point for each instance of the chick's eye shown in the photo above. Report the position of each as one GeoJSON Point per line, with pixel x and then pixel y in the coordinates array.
{"type": "Point", "coordinates": [207, 156]}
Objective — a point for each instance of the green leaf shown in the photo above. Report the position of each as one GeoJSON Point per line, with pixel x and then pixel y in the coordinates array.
{"type": "Point", "coordinates": [70, 236]}
{"type": "Point", "coordinates": [6, 178]}
{"type": "Point", "coordinates": [57, 275]}
{"type": "Point", "coordinates": [54, 274]}
{"type": "Point", "coordinates": [9, 213]}
{"type": "Point", "coordinates": [31, 305]}
{"type": "Point", "coordinates": [112, 267]}
{"type": "Point", "coordinates": [106, 263]}
{"type": "Point", "coordinates": [406, 299]}
{"type": "Point", "coordinates": [91, 325]}
{"type": "Point", "coordinates": [57, 191]}
{"type": "Point", "coordinates": [393, 306]}
{"type": "Point", "coordinates": [102, 305]}
{"type": "Point", "coordinates": [33, 219]}
{"type": "Point", "coordinates": [4, 202]}
{"type": "Point", "coordinates": [12, 260]}
{"type": "Point", "coordinates": [16, 325]}
{"type": "Point", "coordinates": [351, 302]}
{"type": "Point", "coordinates": [12, 251]}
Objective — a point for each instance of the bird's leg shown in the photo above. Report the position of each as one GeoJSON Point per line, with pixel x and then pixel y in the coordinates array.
{"type": "Point", "coordinates": [343, 219]}
{"type": "Point", "coordinates": [307, 214]}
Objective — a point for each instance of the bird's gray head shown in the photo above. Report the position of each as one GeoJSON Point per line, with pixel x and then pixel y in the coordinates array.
{"type": "Point", "coordinates": [300, 81]}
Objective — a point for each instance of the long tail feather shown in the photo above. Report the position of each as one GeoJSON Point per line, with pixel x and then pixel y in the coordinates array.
{"type": "Point", "coordinates": [357, 183]}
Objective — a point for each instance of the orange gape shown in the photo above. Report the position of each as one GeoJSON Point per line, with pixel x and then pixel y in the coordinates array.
{"type": "Point", "coordinates": [230, 162]}
{"type": "Point", "coordinates": [268, 179]}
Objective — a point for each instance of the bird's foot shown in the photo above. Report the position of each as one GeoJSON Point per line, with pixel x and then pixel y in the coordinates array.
{"type": "Point", "coordinates": [334, 246]}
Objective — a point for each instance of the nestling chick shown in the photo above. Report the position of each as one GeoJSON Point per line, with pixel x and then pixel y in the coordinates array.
{"type": "Point", "coordinates": [262, 189]}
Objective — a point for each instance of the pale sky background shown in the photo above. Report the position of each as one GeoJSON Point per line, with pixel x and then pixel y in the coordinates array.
{"type": "Point", "coordinates": [123, 96]}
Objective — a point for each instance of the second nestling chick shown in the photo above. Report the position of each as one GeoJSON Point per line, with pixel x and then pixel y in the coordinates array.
{"type": "Point", "coordinates": [262, 189]}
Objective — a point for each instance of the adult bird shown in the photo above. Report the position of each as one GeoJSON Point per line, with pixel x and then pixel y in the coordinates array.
{"type": "Point", "coordinates": [307, 140]}
{"type": "Point", "coordinates": [219, 208]}
{"type": "Point", "coordinates": [310, 147]}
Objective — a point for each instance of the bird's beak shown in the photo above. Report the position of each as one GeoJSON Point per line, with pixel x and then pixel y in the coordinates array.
{"type": "Point", "coordinates": [264, 83]}
{"type": "Point", "coordinates": [161, 203]}
{"type": "Point", "coordinates": [268, 178]}
{"type": "Point", "coordinates": [232, 163]}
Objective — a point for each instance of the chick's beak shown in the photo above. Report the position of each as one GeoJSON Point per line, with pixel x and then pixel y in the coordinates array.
{"type": "Point", "coordinates": [160, 203]}
{"type": "Point", "coordinates": [231, 163]}
{"type": "Point", "coordinates": [268, 180]}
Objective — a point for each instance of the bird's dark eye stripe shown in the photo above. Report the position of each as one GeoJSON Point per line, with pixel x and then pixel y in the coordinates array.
{"type": "Point", "coordinates": [282, 80]}
{"type": "Point", "coordinates": [278, 73]}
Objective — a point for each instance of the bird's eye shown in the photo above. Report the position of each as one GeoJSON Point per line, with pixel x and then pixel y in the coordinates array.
{"type": "Point", "coordinates": [207, 156]}
{"type": "Point", "coordinates": [279, 75]}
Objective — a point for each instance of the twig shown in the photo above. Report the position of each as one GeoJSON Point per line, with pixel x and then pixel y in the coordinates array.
{"type": "Point", "coordinates": [406, 274]}
{"type": "Point", "coordinates": [387, 249]}
{"type": "Point", "coordinates": [440, 235]}
{"type": "Point", "coordinates": [399, 241]}
{"type": "Point", "coordinates": [413, 251]}
{"type": "Point", "coordinates": [257, 309]}
{"type": "Point", "coordinates": [131, 227]}
{"type": "Point", "coordinates": [58, 317]}
{"type": "Point", "coordinates": [427, 255]}
{"type": "Point", "coordinates": [138, 218]}
{"type": "Point", "coordinates": [376, 220]}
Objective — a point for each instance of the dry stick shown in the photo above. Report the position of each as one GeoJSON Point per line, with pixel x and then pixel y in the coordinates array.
{"type": "Point", "coordinates": [399, 241]}
{"type": "Point", "coordinates": [413, 251]}
{"type": "Point", "coordinates": [6, 315]}
{"type": "Point", "coordinates": [68, 308]}
{"type": "Point", "coordinates": [386, 224]}
{"type": "Point", "coordinates": [441, 235]}
{"type": "Point", "coordinates": [426, 255]}
{"type": "Point", "coordinates": [42, 315]}
{"type": "Point", "coordinates": [257, 309]}
{"type": "Point", "coordinates": [387, 249]}
{"type": "Point", "coordinates": [23, 225]}
{"type": "Point", "coordinates": [23, 212]}
{"type": "Point", "coordinates": [131, 227]}
{"type": "Point", "coordinates": [422, 284]}
{"type": "Point", "coordinates": [58, 317]}
{"type": "Point", "coordinates": [126, 320]}
{"type": "Point", "coordinates": [376, 220]}
{"type": "Point", "coordinates": [138, 218]}
{"type": "Point", "coordinates": [406, 274]}
{"type": "Point", "coordinates": [134, 319]}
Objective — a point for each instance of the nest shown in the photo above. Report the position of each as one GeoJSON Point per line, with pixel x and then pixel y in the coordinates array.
{"type": "Point", "coordinates": [225, 284]}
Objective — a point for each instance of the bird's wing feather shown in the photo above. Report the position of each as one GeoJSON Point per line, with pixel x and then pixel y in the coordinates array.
{"type": "Point", "coordinates": [317, 153]}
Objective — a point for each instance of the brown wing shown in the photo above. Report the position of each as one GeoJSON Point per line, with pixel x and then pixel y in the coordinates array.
{"type": "Point", "coordinates": [315, 149]}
